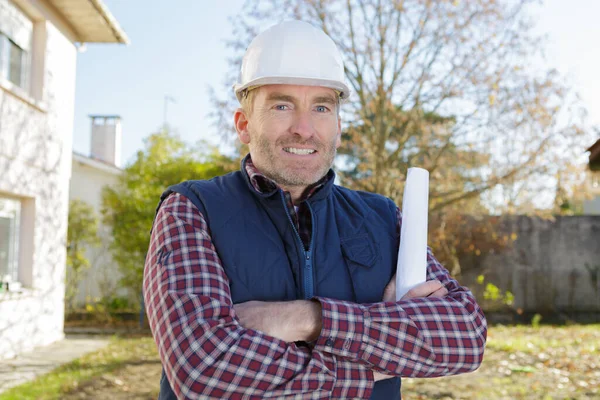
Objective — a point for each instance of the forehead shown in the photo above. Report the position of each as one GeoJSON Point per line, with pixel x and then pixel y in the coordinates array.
{"type": "Point", "coordinates": [295, 91]}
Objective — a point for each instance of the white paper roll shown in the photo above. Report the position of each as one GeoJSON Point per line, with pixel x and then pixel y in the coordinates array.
{"type": "Point", "coordinates": [412, 254]}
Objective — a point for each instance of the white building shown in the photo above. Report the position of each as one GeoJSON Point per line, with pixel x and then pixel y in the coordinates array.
{"type": "Point", "coordinates": [592, 206]}
{"type": "Point", "coordinates": [38, 49]}
{"type": "Point", "coordinates": [89, 176]}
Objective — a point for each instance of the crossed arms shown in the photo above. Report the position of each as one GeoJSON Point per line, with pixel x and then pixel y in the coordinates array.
{"type": "Point", "coordinates": [207, 350]}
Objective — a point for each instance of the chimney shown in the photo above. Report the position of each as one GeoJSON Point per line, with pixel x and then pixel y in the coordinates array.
{"type": "Point", "coordinates": [106, 138]}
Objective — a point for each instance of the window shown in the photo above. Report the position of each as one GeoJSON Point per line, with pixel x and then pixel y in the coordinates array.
{"type": "Point", "coordinates": [12, 61]}
{"type": "Point", "coordinates": [10, 211]}
{"type": "Point", "coordinates": [16, 58]}
{"type": "Point", "coordinates": [16, 35]}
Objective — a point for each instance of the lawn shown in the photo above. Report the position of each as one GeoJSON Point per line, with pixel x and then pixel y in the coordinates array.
{"type": "Point", "coordinates": [128, 368]}
{"type": "Point", "coordinates": [525, 363]}
{"type": "Point", "coordinates": [520, 363]}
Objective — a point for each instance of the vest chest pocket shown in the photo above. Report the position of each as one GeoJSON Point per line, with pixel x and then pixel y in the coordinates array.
{"type": "Point", "coordinates": [360, 250]}
{"type": "Point", "coordinates": [369, 276]}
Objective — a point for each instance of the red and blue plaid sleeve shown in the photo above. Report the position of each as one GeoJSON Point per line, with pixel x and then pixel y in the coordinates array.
{"type": "Point", "coordinates": [420, 337]}
{"type": "Point", "coordinates": [204, 350]}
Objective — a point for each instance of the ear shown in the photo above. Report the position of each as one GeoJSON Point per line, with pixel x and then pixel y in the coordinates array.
{"type": "Point", "coordinates": [338, 140]}
{"type": "Point", "coordinates": [240, 120]}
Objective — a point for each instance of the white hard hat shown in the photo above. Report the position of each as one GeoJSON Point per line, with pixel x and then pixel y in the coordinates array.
{"type": "Point", "coordinates": [293, 53]}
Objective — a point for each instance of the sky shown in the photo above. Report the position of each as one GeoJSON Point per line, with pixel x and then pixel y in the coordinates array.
{"type": "Point", "coordinates": [180, 51]}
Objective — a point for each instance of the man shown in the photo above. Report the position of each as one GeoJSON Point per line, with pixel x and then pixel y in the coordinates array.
{"type": "Point", "coordinates": [273, 282]}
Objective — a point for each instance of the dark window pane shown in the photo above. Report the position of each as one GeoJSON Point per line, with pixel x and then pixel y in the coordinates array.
{"type": "Point", "coordinates": [15, 69]}
{"type": "Point", "coordinates": [6, 240]}
{"type": "Point", "coordinates": [3, 50]}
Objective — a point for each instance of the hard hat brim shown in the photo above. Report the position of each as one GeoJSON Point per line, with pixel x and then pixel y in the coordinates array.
{"type": "Point", "coordinates": [342, 88]}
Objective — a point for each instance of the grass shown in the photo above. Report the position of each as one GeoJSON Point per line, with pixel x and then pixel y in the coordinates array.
{"type": "Point", "coordinates": [533, 340]}
{"type": "Point", "coordinates": [525, 362]}
{"type": "Point", "coordinates": [521, 362]}
{"type": "Point", "coordinates": [67, 378]}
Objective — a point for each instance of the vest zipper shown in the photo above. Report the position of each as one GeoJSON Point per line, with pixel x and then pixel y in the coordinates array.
{"type": "Point", "coordinates": [307, 270]}
{"type": "Point", "coordinates": [308, 278]}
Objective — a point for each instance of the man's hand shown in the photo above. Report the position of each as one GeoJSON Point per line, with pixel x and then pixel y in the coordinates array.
{"type": "Point", "coordinates": [425, 289]}
{"type": "Point", "coordinates": [378, 376]}
{"type": "Point", "coordinates": [289, 321]}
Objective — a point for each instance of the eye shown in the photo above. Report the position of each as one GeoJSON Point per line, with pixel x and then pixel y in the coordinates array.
{"type": "Point", "coordinates": [322, 109]}
{"type": "Point", "coordinates": [281, 107]}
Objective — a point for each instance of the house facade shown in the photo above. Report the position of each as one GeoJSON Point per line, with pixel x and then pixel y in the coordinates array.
{"type": "Point", "coordinates": [89, 176]}
{"type": "Point", "coordinates": [38, 49]}
{"type": "Point", "coordinates": [592, 206]}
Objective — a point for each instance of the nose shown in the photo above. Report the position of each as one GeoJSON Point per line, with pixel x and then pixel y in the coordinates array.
{"type": "Point", "coordinates": [303, 125]}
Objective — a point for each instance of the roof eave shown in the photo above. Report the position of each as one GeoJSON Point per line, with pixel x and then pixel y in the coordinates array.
{"type": "Point", "coordinates": [118, 32]}
{"type": "Point", "coordinates": [89, 21]}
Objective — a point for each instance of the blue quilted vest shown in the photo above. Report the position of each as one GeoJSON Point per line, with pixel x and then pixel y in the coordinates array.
{"type": "Point", "coordinates": [352, 254]}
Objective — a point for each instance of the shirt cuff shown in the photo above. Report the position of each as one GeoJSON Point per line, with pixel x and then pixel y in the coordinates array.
{"type": "Point", "coordinates": [343, 328]}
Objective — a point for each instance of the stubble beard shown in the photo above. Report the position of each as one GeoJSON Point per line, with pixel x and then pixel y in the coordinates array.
{"type": "Point", "coordinates": [272, 167]}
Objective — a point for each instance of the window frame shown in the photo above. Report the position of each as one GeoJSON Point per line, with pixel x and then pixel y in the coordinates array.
{"type": "Point", "coordinates": [20, 29]}
{"type": "Point", "coordinates": [6, 45]}
{"type": "Point", "coordinates": [13, 212]}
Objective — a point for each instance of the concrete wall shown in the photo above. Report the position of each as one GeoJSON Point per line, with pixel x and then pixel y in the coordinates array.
{"type": "Point", "coordinates": [88, 179]}
{"type": "Point", "coordinates": [553, 266]}
{"type": "Point", "coordinates": [35, 158]}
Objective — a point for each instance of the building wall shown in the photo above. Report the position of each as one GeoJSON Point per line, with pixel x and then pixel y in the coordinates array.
{"type": "Point", "coordinates": [553, 266]}
{"type": "Point", "coordinates": [35, 159]}
{"type": "Point", "coordinates": [592, 206]}
{"type": "Point", "coordinates": [101, 279]}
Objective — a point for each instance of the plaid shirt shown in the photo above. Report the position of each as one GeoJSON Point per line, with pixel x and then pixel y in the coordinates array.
{"type": "Point", "coordinates": [206, 353]}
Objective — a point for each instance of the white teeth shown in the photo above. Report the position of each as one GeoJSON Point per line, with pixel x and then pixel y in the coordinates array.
{"type": "Point", "coordinates": [298, 151]}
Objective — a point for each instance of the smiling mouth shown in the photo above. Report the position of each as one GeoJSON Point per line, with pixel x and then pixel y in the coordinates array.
{"type": "Point", "coordinates": [302, 152]}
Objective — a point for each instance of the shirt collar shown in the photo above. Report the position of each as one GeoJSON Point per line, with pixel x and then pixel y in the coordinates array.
{"type": "Point", "coordinates": [264, 185]}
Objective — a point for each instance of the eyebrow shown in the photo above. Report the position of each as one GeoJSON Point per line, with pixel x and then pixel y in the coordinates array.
{"type": "Point", "coordinates": [280, 97]}
{"type": "Point", "coordinates": [326, 100]}
{"type": "Point", "coordinates": [284, 97]}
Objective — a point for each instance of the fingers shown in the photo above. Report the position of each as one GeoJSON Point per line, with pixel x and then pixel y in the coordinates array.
{"type": "Point", "coordinates": [391, 286]}
{"type": "Point", "coordinates": [378, 376]}
{"type": "Point", "coordinates": [389, 293]}
{"type": "Point", "coordinates": [424, 289]}
{"type": "Point", "coordinates": [439, 293]}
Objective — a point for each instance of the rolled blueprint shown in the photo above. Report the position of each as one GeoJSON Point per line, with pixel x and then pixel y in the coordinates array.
{"type": "Point", "coordinates": [412, 254]}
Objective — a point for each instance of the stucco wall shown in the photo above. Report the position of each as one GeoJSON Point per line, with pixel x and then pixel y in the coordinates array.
{"type": "Point", "coordinates": [35, 160]}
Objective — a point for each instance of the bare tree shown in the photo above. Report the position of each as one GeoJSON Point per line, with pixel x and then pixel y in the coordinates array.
{"type": "Point", "coordinates": [437, 84]}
